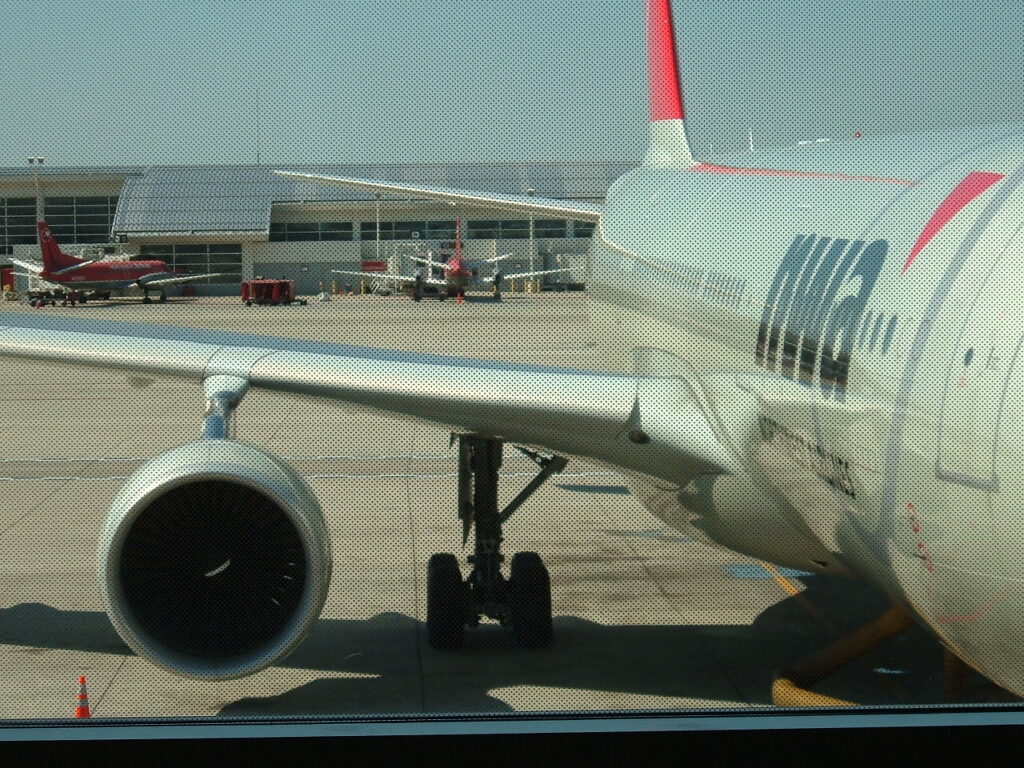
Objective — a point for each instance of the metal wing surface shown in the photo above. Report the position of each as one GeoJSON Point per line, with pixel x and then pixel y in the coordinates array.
{"type": "Point", "coordinates": [162, 281]}
{"type": "Point", "coordinates": [388, 276]}
{"type": "Point", "coordinates": [377, 275]}
{"type": "Point", "coordinates": [564, 410]}
{"type": "Point", "coordinates": [517, 275]}
{"type": "Point", "coordinates": [570, 209]}
{"type": "Point", "coordinates": [34, 269]}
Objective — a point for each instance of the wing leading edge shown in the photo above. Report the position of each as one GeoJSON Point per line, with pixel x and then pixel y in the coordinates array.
{"type": "Point", "coordinates": [540, 206]}
{"type": "Point", "coordinates": [564, 410]}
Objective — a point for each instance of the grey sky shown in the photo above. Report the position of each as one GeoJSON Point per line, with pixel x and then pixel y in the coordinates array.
{"type": "Point", "coordinates": [172, 81]}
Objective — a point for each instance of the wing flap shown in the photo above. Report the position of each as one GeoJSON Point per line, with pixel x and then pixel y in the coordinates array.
{"type": "Point", "coordinates": [541, 206]}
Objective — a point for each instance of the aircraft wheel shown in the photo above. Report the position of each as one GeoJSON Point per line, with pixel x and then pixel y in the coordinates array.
{"type": "Point", "coordinates": [146, 299]}
{"type": "Point", "coordinates": [447, 602]}
{"type": "Point", "coordinates": [163, 297]}
{"type": "Point", "coordinates": [530, 600]}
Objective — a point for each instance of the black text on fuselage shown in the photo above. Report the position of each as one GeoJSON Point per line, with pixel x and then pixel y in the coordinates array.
{"type": "Point", "coordinates": [814, 307]}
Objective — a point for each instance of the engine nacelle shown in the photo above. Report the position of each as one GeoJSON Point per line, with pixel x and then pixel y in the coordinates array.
{"type": "Point", "coordinates": [215, 560]}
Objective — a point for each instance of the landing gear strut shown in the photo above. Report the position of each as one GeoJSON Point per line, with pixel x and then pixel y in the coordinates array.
{"type": "Point", "coordinates": [523, 601]}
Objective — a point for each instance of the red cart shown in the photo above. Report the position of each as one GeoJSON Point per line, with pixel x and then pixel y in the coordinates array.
{"type": "Point", "coordinates": [270, 292]}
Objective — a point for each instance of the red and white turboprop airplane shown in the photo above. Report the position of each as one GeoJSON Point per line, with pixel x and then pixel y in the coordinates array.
{"type": "Point", "coordinates": [85, 278]}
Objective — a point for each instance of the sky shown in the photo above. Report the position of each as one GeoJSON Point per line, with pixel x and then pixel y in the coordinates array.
{"type": "Point", "coordinates": [152, 82]}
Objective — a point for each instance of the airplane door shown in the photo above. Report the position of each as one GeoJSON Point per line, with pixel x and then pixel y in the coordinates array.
{"type": "Point", "coordinates": [976, 387]}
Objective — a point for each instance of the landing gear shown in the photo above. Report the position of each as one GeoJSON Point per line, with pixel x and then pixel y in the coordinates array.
{"type": "Point", "coordinates": [522, 602]}
{"type": "Point", "coordinates": [530, 600]}
{"type": "Point", "coordinates": [447, 602]}
{"type": "Point", "coordinates": [146, 299]}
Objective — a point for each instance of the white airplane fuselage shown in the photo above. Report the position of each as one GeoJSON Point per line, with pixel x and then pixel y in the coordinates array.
{"type": "Point", "coordinates": [856, 342]}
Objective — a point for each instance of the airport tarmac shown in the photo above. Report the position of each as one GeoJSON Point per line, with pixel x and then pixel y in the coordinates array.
{"type": "Point", "coordinates": [645, 617]}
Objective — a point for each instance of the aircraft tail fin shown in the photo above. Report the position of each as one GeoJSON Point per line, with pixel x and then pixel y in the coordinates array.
{"type": "Point", "coordinates": [54, 259]}
{"type": "Point", "coordinates": [669, 145]}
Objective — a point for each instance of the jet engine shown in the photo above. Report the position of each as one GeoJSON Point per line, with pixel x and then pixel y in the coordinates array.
{"type": "Point", "coordinates": [215, 560]}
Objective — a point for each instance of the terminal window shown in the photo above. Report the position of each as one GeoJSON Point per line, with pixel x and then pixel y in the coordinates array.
{"type": "Point", "coordinates": [293, 231]}
{"type": "Point", "coordinates": [224, 258]}
{"type": "Point", "coordinates": [80, 219]}
{"type": "Point", "coordinates": [17, 222]}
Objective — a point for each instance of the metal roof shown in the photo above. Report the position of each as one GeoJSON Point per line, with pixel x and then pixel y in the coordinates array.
{"type": "Point", "coordinates": [238, 199]}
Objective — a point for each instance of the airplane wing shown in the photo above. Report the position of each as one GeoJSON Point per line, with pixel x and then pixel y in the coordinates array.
{"type": "Point", "coordinates": [377, 275]}
{"type": "Point", "coordinates": [517, 275]}
{"type": "Point", "coordinates": [34, 269]}
{"type": "Point", "coordinates": [429, 262]}
{"type": "Point", "coordinates": [389, 276]}
{"type": "Point", "coordinates": [653, 424]}
{"type": "Point", "coordinates": [160, 282]}
{"type": "Point", "coordinates": [569, 209]}
{"type": "Point", "coordinates": [492, 260]}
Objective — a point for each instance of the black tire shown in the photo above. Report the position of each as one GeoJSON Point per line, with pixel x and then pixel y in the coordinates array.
{"type": "Point", "coordinates": [530, 600]}
{"type": "Point", "coordinates": [447, 602]}
{"type": "Point", "coordinates": [146, 299]}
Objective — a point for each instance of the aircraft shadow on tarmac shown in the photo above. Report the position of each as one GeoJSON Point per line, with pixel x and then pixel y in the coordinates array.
{"type": "Point", "coordinates": [703, 663]}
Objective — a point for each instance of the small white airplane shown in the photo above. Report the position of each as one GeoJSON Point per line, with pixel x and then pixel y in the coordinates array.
{"type": "Point", "coordinates": [459, 274]}
{"type": "Point", "coordinates": [826, 374]}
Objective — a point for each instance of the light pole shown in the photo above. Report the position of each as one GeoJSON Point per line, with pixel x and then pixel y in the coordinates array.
{"type": "Point", "coordinates": [36, 163]}
{"type": "Point", "coordinates": [377, 195]}
{"type": "Point", "coordinates": [531, 192]}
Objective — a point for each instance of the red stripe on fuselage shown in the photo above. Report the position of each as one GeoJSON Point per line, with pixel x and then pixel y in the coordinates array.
{"type": "Point", "coordinates": [662, 71]}
{"type": "Point", "coordinates": [729, 169]}
{"type": "Point", "coordinates": [972, 185]}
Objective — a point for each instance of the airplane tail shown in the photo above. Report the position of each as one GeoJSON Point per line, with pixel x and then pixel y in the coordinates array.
{"type": "Point", "coordinates": [669, 145]}
{"type": "Point", "coordinates": [54, 259]}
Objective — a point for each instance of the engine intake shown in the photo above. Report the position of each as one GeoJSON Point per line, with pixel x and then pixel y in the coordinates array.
{"type": "Point", "coordinates": [215, 560]}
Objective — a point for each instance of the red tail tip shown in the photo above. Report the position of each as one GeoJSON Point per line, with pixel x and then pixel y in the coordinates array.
{"type": "Point", "coordinates": [81, 680]}
{"type": "Point", "coordinates": [666, 100]}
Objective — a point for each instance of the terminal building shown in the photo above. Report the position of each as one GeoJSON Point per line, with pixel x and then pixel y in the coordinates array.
{"type": "Point", "coordinates": [246, 221]}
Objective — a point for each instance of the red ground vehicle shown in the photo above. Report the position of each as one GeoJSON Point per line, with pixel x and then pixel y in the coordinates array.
{"type": "Point", "coordinates": [270, 292]}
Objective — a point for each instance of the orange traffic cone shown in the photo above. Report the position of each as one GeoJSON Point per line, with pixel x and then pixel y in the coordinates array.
{"type": "Point", "coordinates": [82, 708]}
{"type": "Point", "coordinates": [458, 297]}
